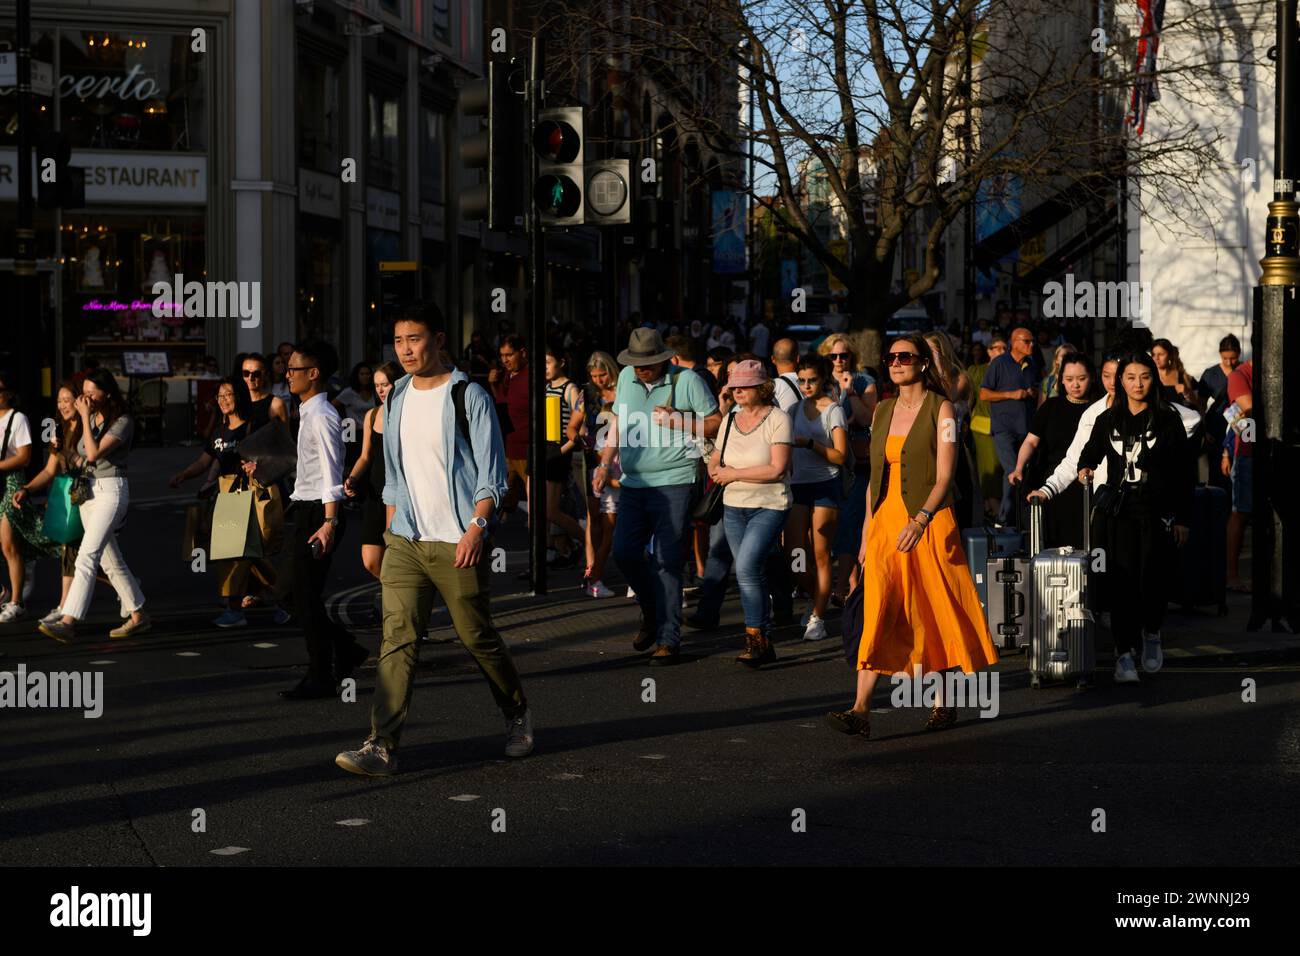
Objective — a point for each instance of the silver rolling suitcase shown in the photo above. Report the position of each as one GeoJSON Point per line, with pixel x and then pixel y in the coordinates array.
{"type": "Point", "coordinates": [1062, 633]}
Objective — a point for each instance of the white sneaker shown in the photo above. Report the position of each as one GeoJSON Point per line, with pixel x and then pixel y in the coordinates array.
{"type": "Point", "coordinates": [56, 614]}
{"type": "Point", "coordinates": [1153, 655]}
{"type": "Point", "coordinates": [12, 612]}
{"type": "Point", "coordinates": [631, 595]}
{"type": "Point", "coordinates": [372, 760]}
{"type": "Point", "coordinates": [519, 735]}
{"type": "Point", "coordinates": [598, 590]}
{"type": "Point", "coordinates": [1125, 670]}
{"type": "Point", "coordinates": [816, 629]}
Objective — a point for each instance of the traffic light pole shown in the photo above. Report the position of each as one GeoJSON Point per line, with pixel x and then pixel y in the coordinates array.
{"type": "Point", "coordinates": [537, 339]}
{"type": "Point", "coordinates": [27, 292]}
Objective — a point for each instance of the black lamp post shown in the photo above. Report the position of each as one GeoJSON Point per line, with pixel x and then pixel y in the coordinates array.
{"type": "Point", "coordinates": [1275, 336]}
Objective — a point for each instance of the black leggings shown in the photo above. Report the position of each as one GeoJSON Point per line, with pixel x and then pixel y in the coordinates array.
{"type": "Point", "coordinates": [1140, 557]}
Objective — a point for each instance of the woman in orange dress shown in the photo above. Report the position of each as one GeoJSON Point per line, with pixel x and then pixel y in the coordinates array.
{"type": "Point", "coordinates": [920, 606]}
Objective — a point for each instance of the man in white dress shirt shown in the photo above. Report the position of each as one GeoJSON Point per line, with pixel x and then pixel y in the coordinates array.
{"type": "Point", "coordinates": [314, 512]}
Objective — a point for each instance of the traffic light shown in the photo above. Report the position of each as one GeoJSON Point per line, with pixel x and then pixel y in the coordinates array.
{"type": "Point", "coordinates": [498, 200]}
{"type": "Point", "coordinates": [609, 196]}
{"type": "Point", "coordinates": [57, 183]}
{"type": "Point", "coordinates": [558, 192]}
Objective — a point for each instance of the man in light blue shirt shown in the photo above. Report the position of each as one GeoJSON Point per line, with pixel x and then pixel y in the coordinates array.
{"type": "Point", "coordinates": [444, 476]}
{"type": "Point", "coordinates": [661, 416]}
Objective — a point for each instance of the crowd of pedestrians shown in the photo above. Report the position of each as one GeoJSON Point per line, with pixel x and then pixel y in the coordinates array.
{"type": "Point", "coordinates": [687, 457]}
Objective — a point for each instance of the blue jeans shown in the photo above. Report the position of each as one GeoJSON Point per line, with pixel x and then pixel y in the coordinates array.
{"type": "Point", "coordinates": [1007, 445]}
{"type": "Point", "coordinates": [751, 532]}
{"type": "Point", "coordinates": [658, 513]}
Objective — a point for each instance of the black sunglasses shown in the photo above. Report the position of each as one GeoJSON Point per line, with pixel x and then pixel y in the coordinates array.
{"type": "Point", "coordinates": [901, 358]}
{"type": "Point", "coordinates": [840, 356]}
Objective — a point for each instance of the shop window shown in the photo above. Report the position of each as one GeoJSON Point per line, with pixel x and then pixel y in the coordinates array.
{"type": "Point", "coordinates": [132, 90]}
{"type": "Point", "coordinates": [110, 264]}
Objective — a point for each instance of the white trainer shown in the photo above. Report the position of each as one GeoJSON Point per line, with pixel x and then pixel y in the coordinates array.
{"type": "Point", "coordinates": [1125, 670]}
{"type": "Point", "coordinates": [815, 630]}
{"type": "Point", "coordinates": [598, 590]}
{"type": "Point", "coordinates": [55, 614]}
{"type": "Point", "coordinates": [372, 760]}
{"type": "Point", "coordinates": [12, 612]}
{"type": "Point", "coordinates": [1153, 655]}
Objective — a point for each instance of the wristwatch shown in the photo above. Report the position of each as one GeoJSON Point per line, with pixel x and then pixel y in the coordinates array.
{"type": "Point", "coordinates": [332, 522]}
{"type": "Point", "coordinates": [479, 522]}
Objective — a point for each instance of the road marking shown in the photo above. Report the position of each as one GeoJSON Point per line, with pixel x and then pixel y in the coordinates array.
{"type": "Point", "coordinates": [567, 776]}
{"type": "Point", "coordinates": [352, 822]}
{"type": "Point", "coordinates": [103, 662]}
{"type": "Point", "coordinates": [654, 756]}
{"type": "Point", "coordinates": [230, 850]}
{"type": "Point", "coordinates": [265, 644]}
{"type": "Point", "coordinates": [464, 797]}
{"type": "Point", "coordinates": [807, 725]}
{"type": "Point", "coordinates": [737, 740]}
{"type": "Point", "coordinates": [187, 654]}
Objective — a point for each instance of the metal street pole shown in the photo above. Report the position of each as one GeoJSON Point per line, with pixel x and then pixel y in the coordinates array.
{"type": "Point", "coordinates": [537, 338]}
{"type": "Point", "coordinates": [968, 260]}
{"type": "Point", "coordinates": [26, 289]}
{"type": "Point", "coordinates": [1276, 447]}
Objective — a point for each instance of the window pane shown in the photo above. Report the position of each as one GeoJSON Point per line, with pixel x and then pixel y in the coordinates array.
{"type": "Point", "coordinates": [432, 161]}
{"type": "Point", "coordinates": [128, 90]}
{"type": "Point", "coordinates": [318, 123]}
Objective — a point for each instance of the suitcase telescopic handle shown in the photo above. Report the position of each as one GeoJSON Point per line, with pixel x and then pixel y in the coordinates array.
{"type": "Point", "coordinates": [1035, 527]}
{"type": "Point", "coordinates": [1087, 515]}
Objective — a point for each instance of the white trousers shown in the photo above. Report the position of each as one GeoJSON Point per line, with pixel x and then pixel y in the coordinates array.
{"type": "Point", "coordinates": [101, 515]}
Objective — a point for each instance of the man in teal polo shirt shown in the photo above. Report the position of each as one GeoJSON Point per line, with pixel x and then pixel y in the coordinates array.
{"type": "Point", "coordinates": [662, 414]}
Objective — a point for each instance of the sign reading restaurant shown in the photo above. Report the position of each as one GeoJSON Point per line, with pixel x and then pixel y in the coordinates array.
{"type": "Point", "coordinates": [122, 177]}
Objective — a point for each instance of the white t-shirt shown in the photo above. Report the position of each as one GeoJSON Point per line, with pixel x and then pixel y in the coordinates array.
{"type": "Point", "coordinates": [808, 465]}
{"type": "Point", "coordinates": [20, 435]}
{"type": "Point", "coordinates": [425, 465]}
{"type": "Point", "coordinates": [787, 398]}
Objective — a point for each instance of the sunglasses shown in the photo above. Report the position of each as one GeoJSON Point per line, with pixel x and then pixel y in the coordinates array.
{"type": "Point", "coordinates": [900, 358]}
{"type": "Point", "coordinates": [840, 356]}
{"type": "Point", "coordinates": [809, 381]}
{"type": "Point", "coordinates": [252, 373]}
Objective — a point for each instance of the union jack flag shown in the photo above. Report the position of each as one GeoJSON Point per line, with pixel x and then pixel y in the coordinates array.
{"type": "Point", "coordinates": [1146, 90]}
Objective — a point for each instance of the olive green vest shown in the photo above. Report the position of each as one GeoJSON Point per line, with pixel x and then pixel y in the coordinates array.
{"type": "Point", "coordinates": [918, 470]}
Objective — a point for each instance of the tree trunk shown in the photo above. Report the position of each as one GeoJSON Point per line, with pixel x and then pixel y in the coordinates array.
{"type": "Point", "coordinates": [870, 306]}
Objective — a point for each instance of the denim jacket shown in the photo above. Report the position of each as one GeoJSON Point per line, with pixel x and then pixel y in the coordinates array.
{"type": "Point", "coordinates": [474, 473]}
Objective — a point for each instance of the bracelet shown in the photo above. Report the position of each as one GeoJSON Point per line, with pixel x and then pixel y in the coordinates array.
{"type": "Point", "coordinates": [600, 466]}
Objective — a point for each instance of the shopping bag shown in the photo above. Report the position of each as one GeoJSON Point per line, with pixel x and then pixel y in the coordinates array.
{"type": "Point", "coordinates": [62, 517]}
{"type": "Point", "coordinates": [269, 511]}
{"type": "Point", "coordinates": [235, 533]}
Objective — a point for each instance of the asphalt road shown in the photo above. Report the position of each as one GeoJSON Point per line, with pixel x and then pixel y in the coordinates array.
{"type": "Point", "coordinates": [715, 770]}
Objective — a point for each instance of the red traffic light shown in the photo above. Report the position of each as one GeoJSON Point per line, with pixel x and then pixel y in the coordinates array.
{"type": "Point", "coordinates": [556, 141]}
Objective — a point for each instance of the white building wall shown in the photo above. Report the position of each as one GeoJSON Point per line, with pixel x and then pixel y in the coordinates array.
{"type": "Point", "coordinates": [1199, 245]}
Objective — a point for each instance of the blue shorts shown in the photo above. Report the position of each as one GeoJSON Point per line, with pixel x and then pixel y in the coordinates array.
{"type": "Point", "coordinates": [1242, 484]}
{"type": "Point", "coordinates": [819, 494]}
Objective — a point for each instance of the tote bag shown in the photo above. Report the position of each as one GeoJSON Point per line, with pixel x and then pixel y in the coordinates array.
{"type": "Point", "coordinates": [62, 517]}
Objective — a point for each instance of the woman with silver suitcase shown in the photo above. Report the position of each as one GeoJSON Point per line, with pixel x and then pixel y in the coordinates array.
{"type": "Point", "coordinates": [1142, 513]}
